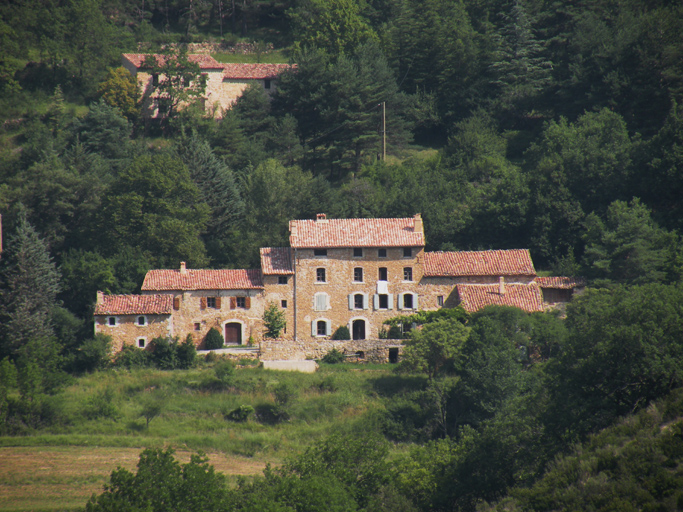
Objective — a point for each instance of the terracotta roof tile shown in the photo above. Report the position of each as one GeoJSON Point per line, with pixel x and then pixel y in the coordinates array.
{"type": "Point", "coordinates": [513, 262]}
{"type": "Point", "coordinates": [564, 283]}
{"type": "Point", "coordinates": [253, 71]}
{"type": "Point", "coordinates": [474, 297]}
{"type": "Point", "coordinates": [356, 233]}
{"type": "Point", "coordinates": [135, 305]}
{"type": "Point", "coordinates": [202, 279]}
{"type": "Point", "coordinates": [276, 260]}
{"type": "Point", "coordinates": [205, 61]}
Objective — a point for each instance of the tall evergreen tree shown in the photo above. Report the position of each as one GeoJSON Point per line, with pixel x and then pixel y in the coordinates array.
{"type": "Point", "coordinates": [29, 287]}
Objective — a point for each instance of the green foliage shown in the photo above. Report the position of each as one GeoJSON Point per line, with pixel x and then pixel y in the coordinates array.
{"type": "Point", "coordinates": [273, 321]}
{"type": "Point", "coordinates": [213, 340]}
{"type": "Point", "coordinates": [435, 348]}
{"type": "Point", "coordinates": [225, 373]}
{"type": "Point", "coordinates": [151, 408]}
{"type": "Point", "coordinates": [241, 414]}
{"type": "Point", "coordinates": [284, 393]}
{"type": "Point", "coordinates": [120, 90]}
{"type": "Point", "coordinates": [342, 333]}
{"type": "Point", "coordinates": [94, 354]}
{"type": "Point", "coordinates": [101, 405]}
{"type": "Point", "coordinates": [131, 357]}
{"type": "Point", "coordinates": [333, 357]}
{"type": "Point", "coordinates": [187, 353]}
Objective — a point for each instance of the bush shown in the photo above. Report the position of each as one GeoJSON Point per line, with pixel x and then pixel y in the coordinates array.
{"type": "Point", "coordinates": [241, 414]}
{"type": "Point", "coordinates": [274, 321]}
{"type": "Point", "coordinates": [225, 372]}
{"type": "Point", "coordinates": [271, 414]}
{"type": "Point", "coordinates": [165, 353]}
{"type": "Point", "coordinates": [132, 357]}
{"type": "Point", "coordinates": [342, 333]}
{"type": "Point", "coordinates": [284, 393]}
{"type": "Point", "coordinates": [101, 405]}
{"type": "Point", "coordinates": [187, 353]}
{"type": "Point", "coordinates": [94, 354]}
{"type": "Point", "coordinates": [214, 339]}
{"type": "Point", "coordinates": [333, 357]}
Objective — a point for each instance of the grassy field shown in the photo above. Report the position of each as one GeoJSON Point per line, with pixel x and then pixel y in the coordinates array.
{"type": "Point", "coordinates": [98, 425]}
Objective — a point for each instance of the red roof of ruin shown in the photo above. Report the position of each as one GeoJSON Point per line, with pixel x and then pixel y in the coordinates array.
{"type": "Point", "coordinates": [205, 61]}
{"type": "Point", "coordinates": [253, 71]}
{"type": "Point", "coordinates": [135, 305]}
{"type": "Point", "coordinates": [276, 260]}
{"type": "Point", "coordinates": [564, 283]}
{"type": "Point", "coordinates": [513, 262]}
{"type": "Point", "coordinates": [202, 279]}
{"type": "Point", "coordinates": [355, 233]}
{"type": "Point", "coordinates": [474, 297]}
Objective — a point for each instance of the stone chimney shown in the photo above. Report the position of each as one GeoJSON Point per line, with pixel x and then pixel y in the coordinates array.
{"type": "Point", "coordinates": [418, 226]}
{"type": "Point", "coordinates": [501, 285]}
{"type": "Point", "coordinates": [100, 297]}
{"type": "Point", "coordinates": [321, 217]}
{"type": "Point", "coordinates": [183, 270]}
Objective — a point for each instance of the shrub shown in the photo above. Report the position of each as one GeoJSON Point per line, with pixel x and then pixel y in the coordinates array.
{"type": "Point", "coordinates": [328, 384]}
{"type": "Point", "coordinates": [284, 393]}
{"type": "Point", "coordinates": [132, 357]}
{"type": "Point", "coordinates": [274, 321]}
{"type": "Point", "coordinates": [101, 405]}
{"type": "Point", "coordinates": [225, 372]}
{"type": "Point", "coordinates": [241, 414]}
{"type": "Point", "coordinates": [214, 339]}
{"type": "Point", "coordinates": [187, 353]}
{"type": "Point", "coordinates": [333, 357]}
{"type": "Point", "coordinates": [270, 414]}
{"type": "Point", "coordinates": [342, 333]}
{"type": "Point", "coordinates": [94, 354]}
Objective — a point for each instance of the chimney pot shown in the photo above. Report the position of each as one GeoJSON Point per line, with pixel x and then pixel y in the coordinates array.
{"type": "Point", "coordinates": [501, 285]}
{"type": "Point", "coordinates": [321, 217]}
{"type": "Point", "coordinates": [100, 297]}
{"type": "Point", "coordinates": [182, 267]}
{"type": "Point", "coordinates": [418, 226]}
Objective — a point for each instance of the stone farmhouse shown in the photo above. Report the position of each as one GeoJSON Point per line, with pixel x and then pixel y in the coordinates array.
{"type": "Point", "coordinates": [355, 273]}
{"type": "Point", "coordinates": [224, 82]}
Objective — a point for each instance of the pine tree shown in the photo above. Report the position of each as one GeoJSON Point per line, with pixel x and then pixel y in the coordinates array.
{"type": "Point", "coordinates": [28, 290]}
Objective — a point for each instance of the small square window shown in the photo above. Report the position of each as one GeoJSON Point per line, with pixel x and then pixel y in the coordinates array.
{"type": "Point", "coordinates": [439, 300]}
{"type": "Point", "coordinates": [241, 302]}
{"type": "Point", "coordinates": [142, 342]}
{"type": "Point", "coordinates": [382, 274]}
{"type": "Point", "coordinates": [142, 320]}
{"type": "Point", "coordinates": [111, 321]}
{"type": "Point", "coordinates": [282, 279]}
{"type": "Point", "coordinates": [408, 274]}
{"type": "Point", "coordinates": [381, 253]}
{"type": "Point", "coordinates": [320, 275]}
{"type": "Point", "coordinates": [407, 252]}
{"type": "Point", "coordinates": [211, 302]}
{"type": "Point", "coordinates": [319, 252]}
{"type": "Point", "coordinates": [197, 326]}
{"type": "Point", "coordinates": [358, 252]}
{"type": "Point", "coordinates": [283, 304]}
{"type": "Point", "coordinates": [358, 275]}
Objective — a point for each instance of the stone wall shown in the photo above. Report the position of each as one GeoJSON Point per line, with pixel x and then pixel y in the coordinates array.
{"type": "Point", "coordinates": [128, 332]}
{"type": "Point", "coordinates": [375, 351]}
{"type": "Point", "coordinates": [276, 293]}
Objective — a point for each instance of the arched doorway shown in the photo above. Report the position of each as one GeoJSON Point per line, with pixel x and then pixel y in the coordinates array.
{"type": "Point", "coordinates": [358, 329]}
{"type": "Point", "coordinates": [233, 333]}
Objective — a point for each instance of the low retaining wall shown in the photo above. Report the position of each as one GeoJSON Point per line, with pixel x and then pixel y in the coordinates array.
{"type": "Point", "coordinates": [374, 351]}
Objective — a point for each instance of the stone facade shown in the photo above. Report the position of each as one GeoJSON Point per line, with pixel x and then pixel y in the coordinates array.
{"type": "Point", "coordinates": [127, 330]}
{"type": "Point", "coordinates": [374, 351]}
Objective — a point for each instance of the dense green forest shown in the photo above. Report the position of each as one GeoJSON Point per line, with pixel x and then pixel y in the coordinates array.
{"type": "Point", "coordinates": [543, 124]}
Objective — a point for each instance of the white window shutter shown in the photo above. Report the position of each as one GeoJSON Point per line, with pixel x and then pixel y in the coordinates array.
{"type": "Point", "coordinates": [350, 300]}
{"type": "Point", "coordinates": [414, 300]}
{"type": "Point", "coordinates": [314, 328]}
{"type": "Point", "coordinates": [400, 301]}
{"type": "Point", "coordinates": [375, 301]}
{"type": "Point", "coordinates": [328, 327]}
{"type": "Point", "coordinates": [327, 302]}
{"type": "Point", "coordinates": [390, 301]}
{"type": "Point", "coordinates": [365, 301]}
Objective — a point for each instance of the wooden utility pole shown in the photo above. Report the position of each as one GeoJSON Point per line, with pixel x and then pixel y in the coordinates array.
{"type": "Point", "coordinates": [384, 131]}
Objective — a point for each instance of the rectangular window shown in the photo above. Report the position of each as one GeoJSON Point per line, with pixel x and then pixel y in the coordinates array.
{"type": "Point", "coordinates": [408, 274]}
{"type": "Point", "coordinates": [381, 253]}
{"type": "Point", "coordinates": [319, 252]}
{"type": "Point", "coordinates": [142, 320]}
{"type": "Point", "coordinates": [320, 275]}
{"type": "Point", "coordinates": [321, 302]}
{"type": "Point", "coordinates": [407, 252]}
{"type": "Point", "coordinates": [408, 301]}
{"type": "Point", "coordinates": [282, 279]}
{"type": "Point", "coordinates": [155, 79]}
{"type": "Point", "coordinates": [322, 328]}
{"type": "Point", "coordinates": [241, 302]}
{"type": "Point", "coordinates": [383, 274]}
{"type": "Point", "coordinates": [197, 326]}
{"type": "Point", "coordinates": [358, 252]}
{"type": "Point", "coordinates": [358, 275]}
{"type": "Point", "coordinates": [211, 302]}
{"type": "Point", "coordinates": [142, 342]}
{"type": "Point", "coordinates": [439, 300]}
{"type": "Point", "coordinates": [283, 304]}
{"type": "Point", "coordinates": [358, 301]}
{"type": "Point", "coordinates": [111, 321]}
{"type": "Point", "coordinates": [383, 301]}
{"type": "Point", "coordinates": [266, 83]}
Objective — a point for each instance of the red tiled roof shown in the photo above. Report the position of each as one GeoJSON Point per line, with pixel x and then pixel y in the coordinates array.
{"type": "Point", "coordinates": [513, 262]}
{"type": "Point", "coordinates": [201, 279]}
{"type": "Point", "coordinates": [276, 260]}
{"type": "Point", "coordinates": [355, 233]}
{"type": "Point", "coordinates": [474, 297]}
{"type": "Point", "coordinates": [205, 61]}
{"type": "Point", "coordinates": [564, 283]}
{"type": "Point", "coordinates": [135, 305]}
{"type": "Point", "coordinates": [253, 71]}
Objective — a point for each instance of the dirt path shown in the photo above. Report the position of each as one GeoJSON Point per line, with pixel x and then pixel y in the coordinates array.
{"type": "Point", "coordinates": [45, 478]}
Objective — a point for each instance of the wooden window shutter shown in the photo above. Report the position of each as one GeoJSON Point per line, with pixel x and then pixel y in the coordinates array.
{"type": "Point", "coordinates": [176, 303]}
{"type": "Point", "coordinates": [233, 302]}
{"type": "Point", "coordinates": [247, 302]}
{"type": "Point", "coordinates": [202, 303]}
{"type": "Point", "coordinates": [218, 303]}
